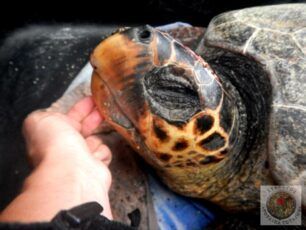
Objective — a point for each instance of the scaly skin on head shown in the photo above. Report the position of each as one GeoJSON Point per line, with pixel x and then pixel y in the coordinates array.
{"type": "Point", "coordinates": [173, 109]}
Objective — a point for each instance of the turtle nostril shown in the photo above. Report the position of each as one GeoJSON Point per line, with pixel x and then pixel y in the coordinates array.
{"type": "Point", "coordinates": [145, 34]}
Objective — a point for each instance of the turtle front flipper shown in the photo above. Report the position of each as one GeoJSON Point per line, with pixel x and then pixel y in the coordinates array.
{"type": "Point", "coordinates": [288, 147]}
{"type": "Point", "coordinates": [274, 38]}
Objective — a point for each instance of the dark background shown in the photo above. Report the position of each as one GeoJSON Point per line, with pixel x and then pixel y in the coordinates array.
{"type": "Point", "coordinates": [16, 14]}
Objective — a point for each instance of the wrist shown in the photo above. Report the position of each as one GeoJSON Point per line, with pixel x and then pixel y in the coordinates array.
{"type": "Point", "coordinates": [78, 171]}
{"type": "Point", "coordinates": [63, 185]}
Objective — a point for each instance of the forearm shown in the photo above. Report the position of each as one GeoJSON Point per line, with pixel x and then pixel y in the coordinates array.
{"type": "Point", "coordinates": [55, 186]}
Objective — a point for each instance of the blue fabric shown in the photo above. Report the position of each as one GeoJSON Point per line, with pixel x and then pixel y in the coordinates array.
{"type": "Point", "coordinates": [177, 212]}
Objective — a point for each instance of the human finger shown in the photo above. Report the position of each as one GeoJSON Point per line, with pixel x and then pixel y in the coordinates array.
{"type": "Point", "coordinates": [81, 109]}
{"type": "Point", "coordinates": [91, 122]}
{"type": "Point", "coordinates": [94, 142]}
{"type": "Point", "coordinates": [103, 154]}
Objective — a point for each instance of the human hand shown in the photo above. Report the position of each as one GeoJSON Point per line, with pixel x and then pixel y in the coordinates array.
{"type": "Point", "coordinates": [48, 133]}
{"type": "Point", "coordinates": [71, 164]}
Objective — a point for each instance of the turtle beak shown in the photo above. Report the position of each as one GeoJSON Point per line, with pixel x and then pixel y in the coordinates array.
{"type": "Point", "coordinates": [118, 57]}
{"type": "Point", "coordinates": [120, 61]}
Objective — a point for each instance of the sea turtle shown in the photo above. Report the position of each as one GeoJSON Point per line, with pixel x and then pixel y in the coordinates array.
{"type": "Point", "coordinates": [219, 122]}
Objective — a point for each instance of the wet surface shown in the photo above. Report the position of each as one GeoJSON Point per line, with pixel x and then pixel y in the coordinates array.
{"type": "Point", "coordinates": [36, 66]}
